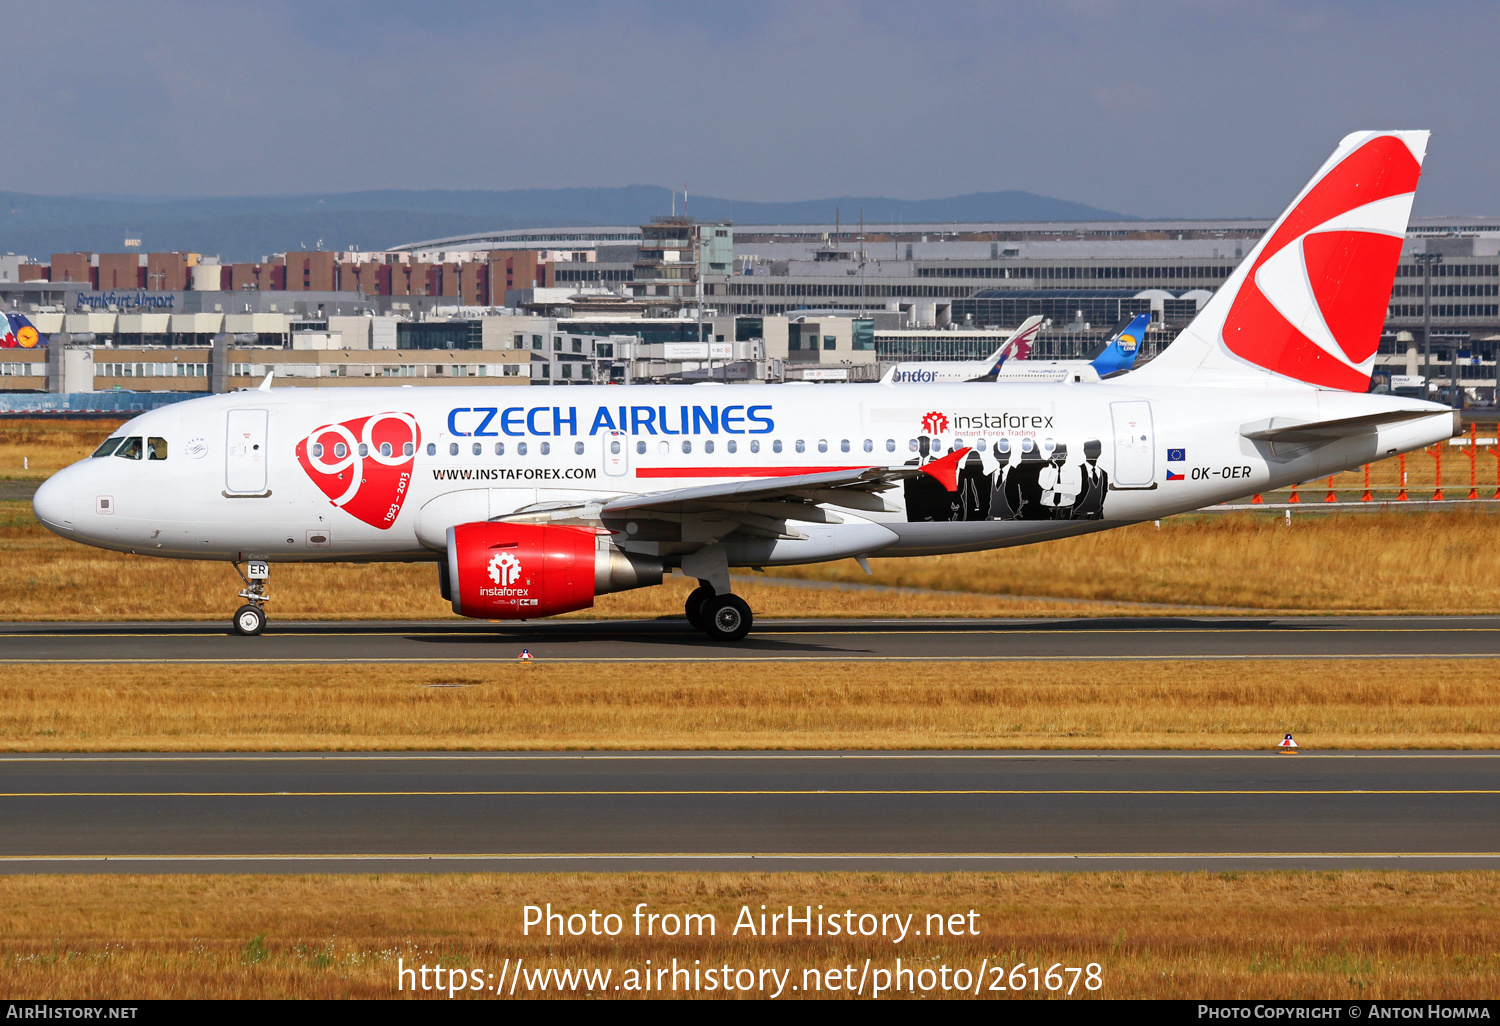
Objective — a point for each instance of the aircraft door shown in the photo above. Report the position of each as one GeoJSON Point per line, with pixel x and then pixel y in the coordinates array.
{"type": "Point", "coordinates": [616, 453]}
{"type": "Point", "coordinates": [245, 452]}
{"type": "Point", "coordinates": [1135, 445]}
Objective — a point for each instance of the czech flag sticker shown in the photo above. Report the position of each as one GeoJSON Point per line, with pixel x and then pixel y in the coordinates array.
{"type": "Point", "coordinates": [1173, 476]}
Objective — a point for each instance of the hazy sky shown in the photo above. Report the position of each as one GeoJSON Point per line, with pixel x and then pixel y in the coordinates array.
{"type": "Point", "coordinates": [1158, 109]}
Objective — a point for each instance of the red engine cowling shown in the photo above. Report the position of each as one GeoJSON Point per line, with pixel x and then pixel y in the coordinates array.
{"type": "Point", "coordinates": [499, 571]}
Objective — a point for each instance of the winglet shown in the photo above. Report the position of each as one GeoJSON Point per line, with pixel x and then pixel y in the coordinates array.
{"type": "Point", "coordinates": [265, 386]}
{"type": "Point", "coordinates": [945, 470]}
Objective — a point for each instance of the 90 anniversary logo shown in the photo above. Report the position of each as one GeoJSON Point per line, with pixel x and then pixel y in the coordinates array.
{"type": "Point", "coordinates": [364, 465]}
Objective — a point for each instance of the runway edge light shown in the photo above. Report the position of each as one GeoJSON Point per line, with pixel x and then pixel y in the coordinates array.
{"type": "Point", "coordinates": [1287, 745]}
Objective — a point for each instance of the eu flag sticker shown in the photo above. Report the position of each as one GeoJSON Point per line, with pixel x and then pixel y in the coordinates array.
{"type": "Point", "coordinates": [1176, 455]}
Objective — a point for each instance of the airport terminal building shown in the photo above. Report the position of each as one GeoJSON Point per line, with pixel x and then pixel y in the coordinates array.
{"type": "Point", "coordinates": [680, 300]}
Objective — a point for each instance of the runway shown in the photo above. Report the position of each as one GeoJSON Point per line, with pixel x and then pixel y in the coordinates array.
{"type": "Point", "coordinates": [425, 812]}
{"type": "Point", "coordinates": [1063, 638]}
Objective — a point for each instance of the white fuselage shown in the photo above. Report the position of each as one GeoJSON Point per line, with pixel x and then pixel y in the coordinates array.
{"type": "Point", "coordinates": [239, 480]}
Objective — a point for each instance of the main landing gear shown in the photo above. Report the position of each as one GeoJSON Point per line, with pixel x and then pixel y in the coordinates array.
{"type": "Point", "coordinates": [250, 619]}
{"type": "Point", "coordinates": [722, 617]}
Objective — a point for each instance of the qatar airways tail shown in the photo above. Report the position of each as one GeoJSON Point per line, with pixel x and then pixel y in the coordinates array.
{"type": "Point", "coordinates": [938, 372]}
{"type": "Point", "coordinates": [531, 502]}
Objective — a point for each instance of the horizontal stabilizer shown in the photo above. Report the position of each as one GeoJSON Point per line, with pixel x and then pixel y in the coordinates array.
{"type": "Point", "coordinates": [1331, 430]}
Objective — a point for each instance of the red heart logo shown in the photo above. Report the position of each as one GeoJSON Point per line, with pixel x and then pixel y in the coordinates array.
{"type": "Point", "coordinates": [364, 466]}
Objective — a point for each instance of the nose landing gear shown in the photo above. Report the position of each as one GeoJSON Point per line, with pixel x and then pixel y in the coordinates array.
{"type": "Point", "coordinates": [250, 619]}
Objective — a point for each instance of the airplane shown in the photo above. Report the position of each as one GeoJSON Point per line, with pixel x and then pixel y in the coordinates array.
{"type": "Point", "coordinates": [532, 503]}
{"type": "Point", "coordinates": [1117, 357]}
{"type": "Point", "coordinates": [20, 333]}
{"type": "Point", "coordinates": [934, 372]}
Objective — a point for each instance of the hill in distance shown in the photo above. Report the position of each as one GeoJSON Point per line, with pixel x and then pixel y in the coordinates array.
{"type": "Point", "coordinates": [241, 228]}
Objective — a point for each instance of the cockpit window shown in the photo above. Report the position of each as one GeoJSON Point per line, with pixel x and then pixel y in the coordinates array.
{"type": "Point", "coordinates": [107, 446]}
{"type": "Point", "coordinates": [156, 448]}
{"type": "Point", "coordinates": [131, 449]}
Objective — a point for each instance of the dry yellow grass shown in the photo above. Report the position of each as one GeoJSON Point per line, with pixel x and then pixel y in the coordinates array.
{"type": "Point", "coordinates": [1366, 935]}
{"type": "Point", "coordinates": [1325, 563]}
{"type": "Point", "coordinates": [1399, 562]}
{"type": "Point", "coordinates": [48, 444]}
{"type": "Point", "coordinates": [1180, 705]}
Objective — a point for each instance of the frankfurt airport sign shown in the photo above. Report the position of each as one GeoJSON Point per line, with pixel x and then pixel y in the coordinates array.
{"type": "Point", "coordinates": [128, 300]}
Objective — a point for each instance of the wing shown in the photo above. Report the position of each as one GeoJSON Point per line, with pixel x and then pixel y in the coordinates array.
{"type": "Point", "coordinates": [760, 507]}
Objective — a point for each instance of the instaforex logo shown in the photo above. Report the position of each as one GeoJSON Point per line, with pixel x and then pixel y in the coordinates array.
{"type": "Point", "coordinates": [505, 568]}
{"type": "Point", "coordinates": [936, 423]}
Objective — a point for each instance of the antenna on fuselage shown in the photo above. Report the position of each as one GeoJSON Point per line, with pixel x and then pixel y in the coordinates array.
{"type": "Point", "coordinates": [265, 386]}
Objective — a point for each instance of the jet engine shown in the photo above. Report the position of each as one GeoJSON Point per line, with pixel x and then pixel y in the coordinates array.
{"type": "Point", "coordinates": [501, 571]}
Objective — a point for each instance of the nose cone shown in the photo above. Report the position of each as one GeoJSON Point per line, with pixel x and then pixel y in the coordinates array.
{"type": "Point", "coordinates": [53, 503]}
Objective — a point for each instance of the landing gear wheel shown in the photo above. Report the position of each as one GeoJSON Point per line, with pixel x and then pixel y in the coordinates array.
{"type": "Point", "coordinates": [726, 618]}
{"type": "Point", "coordinates": [249, 621]}
{"type": "Point", "coordinates": [694, 605]}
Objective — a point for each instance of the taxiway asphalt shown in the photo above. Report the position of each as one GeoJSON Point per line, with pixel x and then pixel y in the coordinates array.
{"type": "Point", "coordinates": [1061, 638]}
{"type": "Point", "coordinates": [278, 812]}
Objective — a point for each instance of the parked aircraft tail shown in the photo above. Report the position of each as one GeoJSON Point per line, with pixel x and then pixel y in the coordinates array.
{"type": "Point", "coordinates": [20, 333]}
{"type": "Point", "coordinates": [1017, 347]}
{"type": "Point", "coordinates": [1308, 303]}
{"type": "Point", "coordinates": [1119, 355]}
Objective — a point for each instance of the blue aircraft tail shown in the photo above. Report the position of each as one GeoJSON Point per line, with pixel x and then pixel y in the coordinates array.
{"type": "Point", "coordinates": [1119, 355]}
{"type": "Point", "coordinates": [20, 333]}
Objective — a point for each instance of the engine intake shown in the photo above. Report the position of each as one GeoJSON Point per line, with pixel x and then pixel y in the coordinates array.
{"type": "Point", "coordinates": [500, 571]}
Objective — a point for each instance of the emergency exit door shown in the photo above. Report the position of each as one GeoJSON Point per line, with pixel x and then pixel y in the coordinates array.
{"type": "Point", "coordinates": [616, 453]}
{"type": "Point", "coordinates": [245, 452]}
{"type": "Point", "coordinates": [1135, 445]}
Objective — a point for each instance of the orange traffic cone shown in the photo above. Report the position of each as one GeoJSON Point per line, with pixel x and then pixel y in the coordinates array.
{"type": "Point", "coordinates": [1256, 500]}
{"type": "Point", "coordinates": [1287, 746]}
{"type": "Point", "coordinates": [1331, 497]}
{"type": "Point", "coordinates": [1294, 497]}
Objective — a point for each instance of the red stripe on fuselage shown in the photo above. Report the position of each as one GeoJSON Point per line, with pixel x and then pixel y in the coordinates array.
{"type": "Point", "coordinates": [737, 471]}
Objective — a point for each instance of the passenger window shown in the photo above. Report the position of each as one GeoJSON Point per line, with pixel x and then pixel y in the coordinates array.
{"type": "Point", "coordinates": [107, 446]}
{"type": "Point", "coordinates": [452, 448]}
{"type": "Point", "coordinates": [477, 448]}
{"type": "Point", "coordinates": [822, 445]}
{"type": "Point", "coordinates": [546, 448]}
{"type": "Point", "coordinates": [844, 445]}
{"type": "Point", "coordinates": [317, 450]}
{"type": "Point", "coordinates": [776, 445]}
{"type": "Point", "coordinates": [385, 448]}
{"type": "Point", "coordinates": [578, 448]}
{"type": "Point", "coordinates": [340, 450]}
{"type": "Point", "coordinates": [614, 448]}
{"type": "Point", "coordinates": [131, 450]}
{"type": "Point", "coordinates": [687, 446]}
{"type": "Point", "coordinates": [640, 448]}
{"type": "Point", "coordinates": [499, 448]}
{"type": "Point", "coordinates": [663, 447]}
{"type": "Point", "coordinates": [801, 445]}
{"type": "Point", "coordinates": [912, 445]}
{"type": "Point", "coordinates": [890, 445]}
{"type": "Point", "coordinates": [733, 446]}
{"type": "Point", "coordinates": [408, 449]}
{"type": "Point", "coordinates": [755, 445]}
{"type": "Point", "coordinates": [708, 446]}
{"type": "Point", "coordinates": [364, 450]}
{"type": "Point", "coordinates": [156, 448]}
{"type": "Point", "coordinates": [521, 446]}
{"type": "Point", "coordinates": [432, 448]}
